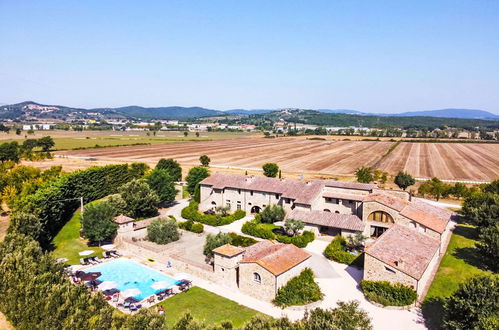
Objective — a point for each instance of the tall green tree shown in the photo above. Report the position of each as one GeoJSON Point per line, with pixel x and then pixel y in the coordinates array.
{"type": "Point", "coordinates": [270, 170]}
{"type": "Point", "coordinates": [9, 151]}
{"type": "Point", "coordinates": [204, 160]}
{"type": "Point", "coordinates": [404, 180]}
{"type": "Point", "coordinates": [46, 143]}
{"type": "Point", "coordinates": [364, 175]}
{"type": "Point", "coordinates": [162, 183]}
{"type": "Point", "coordinates": [97, 221]}
{"type": "Point", "coordinates": [481, 209]}
{"type": "Point", "coordinates": [141, 201]}
{"type": "Point", "coordinates": [474, 302]}
{"type": "Point", "coordinates": [194, 177]}
{"type": "Point", "coordinates": [488, 246]}
{"type": "Point", "coordinates": [172, 166]}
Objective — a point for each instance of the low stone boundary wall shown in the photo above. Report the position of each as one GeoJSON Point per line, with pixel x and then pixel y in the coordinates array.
{"type": "Point", "coordinates": [144, 249]}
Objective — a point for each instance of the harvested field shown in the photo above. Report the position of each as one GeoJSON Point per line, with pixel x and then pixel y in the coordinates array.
{"type": "Point", "coordinates": [293, 155]}
{"type": "Point", "coordinates": [453, 161]}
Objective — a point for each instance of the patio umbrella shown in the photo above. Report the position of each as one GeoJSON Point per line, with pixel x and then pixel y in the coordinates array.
{"type": "Point", "coordinates": [92, 276]}
{"type": "Point", "coordinates": [160, 285]}
{"type": "Point", "coordinates": [61, 260]}
{"type": "Point", "coordinates": [86, 252]}
{"type": "Point", "coordinates": [107, 285]}
{"type": "Point", "coordinates": [181, 276]}
{"type": "Point", "coordinates": [108, 247]}
{"type": "Point", "coordinates": [130, 293]}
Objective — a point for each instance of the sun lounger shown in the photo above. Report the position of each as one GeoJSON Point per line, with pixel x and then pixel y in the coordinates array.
{"type": "Point", "coordinates": [83, 262]}
{"type": "Point", "coordinates": [114, 254]}
{"type": "Point", "coordinates": [106, 255]}
{"type": "Point", "coordinates": [97, 259]}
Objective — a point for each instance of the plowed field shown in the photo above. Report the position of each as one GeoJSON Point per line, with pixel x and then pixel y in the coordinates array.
{"type": "Point", "coordinates": [455, 161]}
{"type": "Point", "coordinates": [291, 154]}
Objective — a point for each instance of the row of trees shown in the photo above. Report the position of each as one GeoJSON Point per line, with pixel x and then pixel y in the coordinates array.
{"type": "Point", "coordinates": [481, 209]}
{"type": "Point", "coordinates": [13, 151]}
{"type": "Point", "coordinates": [434, 187]}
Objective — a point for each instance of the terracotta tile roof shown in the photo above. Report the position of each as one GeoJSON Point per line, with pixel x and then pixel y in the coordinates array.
{"type": "Point", "coordinates": [142, 223]}
{"type": "Point", "coordinates": [390, 201]}
{"type": "Point", "coordinates": [350, 185]}
{"type": "Point", "coordinates": [428, 220]}
{"type": "Point", "coordinates": [228, 250]}
{"type": "Point", "coordinates": [430, 216]}
{"type": "Point", "coordinates": [404, 249]}
{"type": "Point", "coordinates": [122, 219]}
{"type": "Point", "coordinates": [343, 221]}
{"type": "Point", "coordinates": [275, 257]}
{"type": "Point", "coordinates": [303, 192]}
{"type": "Point", "coordinates": [331, 194]}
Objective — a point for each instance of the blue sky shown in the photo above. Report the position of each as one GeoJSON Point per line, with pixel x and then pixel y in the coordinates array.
{"type": "Point", "coordinates": [373, 56]}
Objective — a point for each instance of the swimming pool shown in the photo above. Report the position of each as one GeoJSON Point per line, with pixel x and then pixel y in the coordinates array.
{"type": "Point", "coordinates": [128, 274]}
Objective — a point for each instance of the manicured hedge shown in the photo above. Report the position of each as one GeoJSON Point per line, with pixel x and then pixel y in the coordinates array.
{"type": "Point", "coordinates": [191, 213]}
{"type": "Point", "coordinates": [387, 294]}
{"type": "Point", "coordinates": [192, 226]}
{"type": "Point", "coordinates": [337, 251]}
{"type": "Point", "coordinates": [264, 230]}
{"type": "Point", "coordinates": [55, 202]}
{"type": "Point", "coordinates": [300, 290]}
{"type": "Point", "coordinates": [239, 240]}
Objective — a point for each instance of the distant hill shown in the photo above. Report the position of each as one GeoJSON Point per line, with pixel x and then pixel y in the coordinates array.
{"type": "Point", "coordinates": [451, 113]}
{"type": "Point", "coordinates": [30, 109]}
{"type": "Point", "coordinates": [347, 111]}
{"type": "Point", "coordinates": [161, 112]}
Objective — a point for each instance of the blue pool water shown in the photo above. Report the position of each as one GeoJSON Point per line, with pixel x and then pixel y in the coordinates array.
{"type": "Point", "coordinates": [128, 274]}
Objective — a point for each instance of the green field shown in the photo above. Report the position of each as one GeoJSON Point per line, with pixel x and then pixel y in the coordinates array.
{"type": "Point", "coordinates": [90, 139]}
{"type": "Point", "coordinates": [206, 307]}
{"type": "Point", "coordinates": [68, 242]}
{"type": "Point", "coordinates": [460, 262]}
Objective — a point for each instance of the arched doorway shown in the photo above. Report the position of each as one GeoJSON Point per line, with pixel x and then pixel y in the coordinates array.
{"type": "Point", "coordinates": [255, 209]}
{"type": "Point", "coordinates": [380, 216]}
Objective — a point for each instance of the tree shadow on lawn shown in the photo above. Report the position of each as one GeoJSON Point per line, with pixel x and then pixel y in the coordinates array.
{"type": "Point", "coordinates": [471, 256]}
{"type": "Point", "coordinates": [433, 312]}
{"type": "Point", "coordinates": [466, 231]}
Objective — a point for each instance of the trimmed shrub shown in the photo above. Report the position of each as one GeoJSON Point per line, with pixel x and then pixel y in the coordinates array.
{"type": "Point", "coordinates": [162, 231]}
{"type": "Point", "coordinates": [337, 251]}
{"type": "Point", "coordinates": [387, 294]}
{"type": "Point", "coordinates": [299, 290]}
{"type": "Point", "coordinates": [239, 240]}
{"type": "Point", "coordinates": [191, 213]}
{"type": "Point", "coordinates": [197, 228]}
{"type": "Point", "coordinates": [264, 230]}
{"type": "Point", "coordinates": [300, 241]}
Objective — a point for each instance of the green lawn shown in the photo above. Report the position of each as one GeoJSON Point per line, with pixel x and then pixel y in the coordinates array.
{"type": "Point", "coordinates": [460, 262]}
{"type": "Point", "coordinates": [68, 242]}
{"type": "Point", "coordinates": [89, 139]}
{"type": "Point", "coordinates": [206, 307]}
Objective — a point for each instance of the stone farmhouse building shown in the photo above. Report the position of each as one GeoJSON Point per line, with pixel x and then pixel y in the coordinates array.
{"type": "Point", "coordinates": [408, 235]}
{"type": "Point", "coordinates": [260, 269]}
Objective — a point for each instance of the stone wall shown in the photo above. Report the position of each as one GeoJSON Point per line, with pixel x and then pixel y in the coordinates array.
{"type": "Point", "coordinates": [226, 269]}
{"type": "Point", "coordinates": [283, 278]}
{"type": "Point", "coordinates": [234, 197]}
{"type": "Point", "coordinates": [427, 275]}
{"type": "Point", "coordinates": [376, 270]}
{"type": "Point", "coordinates": [264, 290]}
